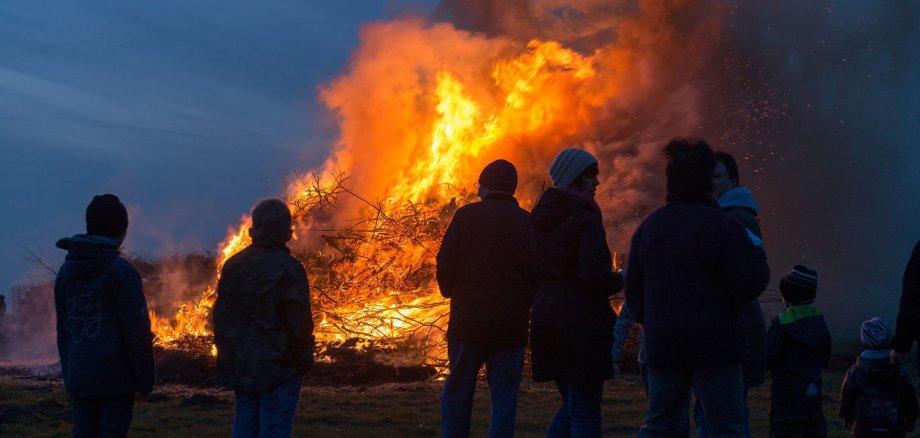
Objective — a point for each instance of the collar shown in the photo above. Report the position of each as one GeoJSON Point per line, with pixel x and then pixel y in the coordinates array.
{"type": "Point", "coordinates": [795, 313]}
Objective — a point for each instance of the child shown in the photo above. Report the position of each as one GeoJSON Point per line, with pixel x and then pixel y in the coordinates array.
{"type": "Point", "coordinates": [798, 349]}
{"type": "Point", "coordinates": [877, 397]}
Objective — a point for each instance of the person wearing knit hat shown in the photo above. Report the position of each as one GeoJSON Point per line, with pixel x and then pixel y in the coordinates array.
{"type": "Point", "coordinates": [798, 349]}
{"type": "Point", "coordinates": [876, 380]}
{"type": "Point", "coordinates": [483, 267]}
{"type": "Point", "coordinates": [104, 338]}
{"type": "Point", "coordinates": [799, 286]}
{"type": "Point", "coordinates": [571, 320]}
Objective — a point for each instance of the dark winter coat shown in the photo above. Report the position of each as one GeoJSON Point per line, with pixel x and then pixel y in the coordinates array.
{"type": "Point", "coordinates": [738, 203]}
{"type": "Point", "coordinates": [691, 270]}
{"type": "Point", "coordinates": [868, 388]}
{"type": "Point", "coordinates": [571, 321]}
{"type": "Point", "coordinates": [484, 267]}
{"type": "Point", "coordinates": [798, 349]}
{"type": "Point", "coordinates": [263, 326]}
{"type": "Point", "coordinates": [908, 325]}
{"type": "Point", "coordinates": [103, 329]}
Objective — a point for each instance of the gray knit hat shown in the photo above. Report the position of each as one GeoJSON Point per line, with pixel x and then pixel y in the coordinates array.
{"type": "Point", "coordinates": [568, 165]}
{"type": "Point", "coordinates": [875, 333]}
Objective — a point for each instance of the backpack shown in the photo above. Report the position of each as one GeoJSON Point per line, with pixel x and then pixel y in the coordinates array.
{"type": "Point", "coordinates": [878, 410]}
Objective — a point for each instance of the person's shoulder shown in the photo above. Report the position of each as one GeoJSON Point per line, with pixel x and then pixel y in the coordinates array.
{"type": "Point", "coordinates": [123, 268]}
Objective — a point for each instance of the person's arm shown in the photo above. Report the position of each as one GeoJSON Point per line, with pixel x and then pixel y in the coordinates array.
{"type": "Point", "coordinates": [774, 345]}
{"type": "Point", "coordinates": [907, 327]}
{"type": "Point", "coordinates": [297, 316]}
{"type": "Point", "coordinates": [595, 265]}
{"type": "Point", "coordinates": [134, 325]}
{"type": "Point", "coordinates": [744, 265]}
{"type": "Point", "coordinates": [635, 280]}
{"type": "Point", "coordinates": [449, 258]}
{"type": "Point", "coordinates": [847, 409]}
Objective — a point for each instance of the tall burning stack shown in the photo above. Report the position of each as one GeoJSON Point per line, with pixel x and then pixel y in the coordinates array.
{"type": "Point", "coordinates": [424, 105]}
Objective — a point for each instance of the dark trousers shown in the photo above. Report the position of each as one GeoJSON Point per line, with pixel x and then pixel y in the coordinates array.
{"type": "Point", "coordinates": [102, 417]}
{"type": "Point", "coordinates": [579, 416]}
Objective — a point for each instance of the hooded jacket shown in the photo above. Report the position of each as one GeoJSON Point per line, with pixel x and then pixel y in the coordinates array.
{"type": "Point", "coordinates": [738, 203]}
{"type": "Point", "coordinates": [571, 320]}
{"type": "Point", "coordinates": [484, 267]}
{"type": "Point", "coordinates": [798, 349]}
{"type": "Point", "coordinates": [691, 270]}
{"type": "Point", "coordinates": [103, 328]}
{"type": "Point", "coordinates": [263, 325]}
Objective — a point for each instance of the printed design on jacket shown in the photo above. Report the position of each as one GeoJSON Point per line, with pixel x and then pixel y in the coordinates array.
{"type": "Point", "coordinates": [84, 317]}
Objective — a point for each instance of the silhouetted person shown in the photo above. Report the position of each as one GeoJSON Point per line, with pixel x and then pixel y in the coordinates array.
{"type": "Point", "coordinates": [798, 349]}
{"type": "Point", "coordinates": [571, 320]}
{"type": "Point", "coordinates": [263, 326]}
{"type": "Point", "coordinates": [691, 269]}
{"type": "Point", "coordinates": [738, 202]}
{"type": "Point", "coordinates": [907, 330]}
{"type": "Point", "coordinates": [103, 329]}
{"type": "Point", "coordinates": [877, 396]}
{"type": "Point", "coordinates": [483, 266]}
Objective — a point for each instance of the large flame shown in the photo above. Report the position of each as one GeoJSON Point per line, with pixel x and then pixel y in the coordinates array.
{"type": "Point", "coordinates": [423, 108]}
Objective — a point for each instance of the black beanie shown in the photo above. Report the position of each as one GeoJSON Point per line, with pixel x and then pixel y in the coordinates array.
{"type": "Point", "coordinates": [499, 175]}
{"type": "Point", "coordinates": [106, 216]}
{"type": "Point", "coordinates": [799, 286]}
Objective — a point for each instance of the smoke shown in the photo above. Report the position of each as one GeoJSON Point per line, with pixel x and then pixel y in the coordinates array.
{"type": "Point", "coordinates": [816, 100]}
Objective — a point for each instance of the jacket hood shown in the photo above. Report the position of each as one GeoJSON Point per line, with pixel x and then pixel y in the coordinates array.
{"type": "Point", "coordinates": [88, 255]}
{"type": "Point", "coordinates": [555, 206]}
{"type": "Point", "coordinates": [738, 197]}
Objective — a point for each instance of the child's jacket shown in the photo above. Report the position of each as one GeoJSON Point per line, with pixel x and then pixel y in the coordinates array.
{"type": "Point", "coordinates": [798, 349]}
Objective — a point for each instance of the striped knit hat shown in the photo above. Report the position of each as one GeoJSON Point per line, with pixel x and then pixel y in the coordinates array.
{"type": "Point", "coordinates": [799, 286]}
{"type": "Point", "coordinates": [568, 165]}
{"type": "Point", "coordinates": [875, 333]}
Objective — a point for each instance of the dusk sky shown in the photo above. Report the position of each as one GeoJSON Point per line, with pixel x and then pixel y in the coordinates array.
{"type": "Point", "coordinates": [188, 111]}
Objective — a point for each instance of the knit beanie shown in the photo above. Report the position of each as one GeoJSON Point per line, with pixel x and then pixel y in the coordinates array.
{"type": "Point", "coordinates": [499, 175]}
{"type": "Point", "coordinates": [106, 216]}
{"type": "Point", "coordinates": [568, 165]}
{"type": "Point", "coordinates": [875, 333]}
{"type": "Point", "coordinates": [799, 286]}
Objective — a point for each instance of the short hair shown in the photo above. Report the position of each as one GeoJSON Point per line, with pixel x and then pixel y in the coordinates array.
{"type": "Point", "coordinates": [271, 216]}
{"type": "Point", "coordinates": [690, 167]}
{"type": "Point", "coordinates": [730, 165]}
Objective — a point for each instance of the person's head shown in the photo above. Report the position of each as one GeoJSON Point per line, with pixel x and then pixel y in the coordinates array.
{"type": "Point", "coordinates": [106, 216]}
{"type": "Point", "coordinates": [799, 286]}
{"type": "Point", "coordinates": [271, 219]}
{"type": "Point", "coordinates": [498, 176]}
{"type": "Point", "coordinates": [575, 169]}
{"type": "Point", "coordinates": [724, 174]}
{"type": "Point", "coordinates": [690, 166]}
{"type": "Point", "coordinates": [875, 334]}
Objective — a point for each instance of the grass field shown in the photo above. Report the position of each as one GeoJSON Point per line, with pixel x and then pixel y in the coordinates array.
{"type": "Point", "coordinates": [40, 408]}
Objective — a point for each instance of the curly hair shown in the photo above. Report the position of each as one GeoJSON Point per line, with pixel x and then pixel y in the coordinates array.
{"type": "Point", "coordinates": [690, 165]}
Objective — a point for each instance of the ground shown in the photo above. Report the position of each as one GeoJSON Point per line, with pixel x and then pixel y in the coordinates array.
{"type": "Point", "coordinates": [39, 407]}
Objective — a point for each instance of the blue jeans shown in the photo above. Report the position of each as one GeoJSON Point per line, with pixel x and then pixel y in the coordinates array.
{"type": "Point", "coordinates": [579, 416]}
{"type": "Point", "coordinates": [721, 391]}
{"type": "Point", "coordinates": [102, 417]}
{"type": "Point", "coordinates": [683, 430]}
{"type": "Point", "coordinates": [700, 418]}
{"type": "Point", "coordinates": [269, 413]}
{"type": "Point", "coordinates": [503, 372]}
